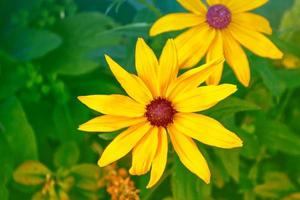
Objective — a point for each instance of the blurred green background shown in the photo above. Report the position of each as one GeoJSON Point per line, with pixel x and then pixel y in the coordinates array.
{"type": "Point", "coordinates": [51, 51]}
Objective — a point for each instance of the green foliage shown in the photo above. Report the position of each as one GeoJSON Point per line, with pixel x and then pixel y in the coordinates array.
{"type": "Point", "coordinates": [51, 51]}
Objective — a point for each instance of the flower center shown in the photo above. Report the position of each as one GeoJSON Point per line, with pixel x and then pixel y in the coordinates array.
{"type": "Point", "coordinates": [218, 16]}
{"type": "Point", "coordinates": [160, 112]}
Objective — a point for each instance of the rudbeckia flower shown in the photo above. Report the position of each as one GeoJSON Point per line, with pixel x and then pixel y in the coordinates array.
{"type": "Point", "coordinates": [159, 105]}
{"type": "Point", "coordinates": [219, 30]}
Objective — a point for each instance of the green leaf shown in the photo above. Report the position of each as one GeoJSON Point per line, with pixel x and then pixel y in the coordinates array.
{"type": "Point", "coordinates": [290, 24]}
{"type": "Point", "coordinates": [31, 173]}
{"type": "Point", "coordinates": [6, 167]}
{"type": "Point", "coordinates": [67, 155]}
{"type": "Point", "coordinates": [186, 185]}
{"type": "Point", "coordinates": [267, 72]}
{"type": "Point", "coordinates": [12, 77]}
{"type": "Point", "coordinates": [230, 106]}
{"type": "Point", "coordinates": [276, 135]}
{"type": "Point", "coordinates": [290, 77]}
{"type": "Point", "coordinates": [87, 176]}
{"type": "Point", "coordinates": [109, 136]}
{"type": "Point", "coordinates": [275, 183]}
{"type": "Point", "coordinates": [17, 130]}
{"type": "Point", "coordinates": [29, 44]}
{"type": "Point", "coordinates": [231, 161]}
{"type": "Point", "coordinates": [83, 43]}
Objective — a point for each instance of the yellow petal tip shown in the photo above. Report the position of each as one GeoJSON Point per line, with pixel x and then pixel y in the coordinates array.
{"type": "Point", "coordinates": [101, 163]}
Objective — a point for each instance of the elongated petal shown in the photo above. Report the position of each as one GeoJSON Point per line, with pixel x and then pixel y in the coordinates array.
{"type": "Point", "coordinates": [215, 51]}
{"type": "Point", "coordinates": [236, 58]}
{"type": "Point", "coordinates": [193, 44]}
{"type": "Point", "coordinates": [108, 123]}
{"type": "Point", "coordinates": [206, 130]}
{"type": "Point", "coordinates": [255, 42]}
{"type": "Point", "coordinates": [202, 98]}
{"type": "Point", "coordinates": [123, 143]}
{"type": "Point", "coordinates": [132, 84]}
{"type": "Point", "coordinates": [115, 104]}
{"type": "Point", "coordinates": [168, 66]}
{"type": "Point", "coordinates": [253, 22]}
{"type": "Point", "coordinates": [160, 159]}
{"type": "Point", "coordinates": [174, 22]}
{"type": "Point", "coordinates": [192, 78]}
{"type": "Point", "coordinates": [245, 5]}
{"type": "Point", "coordinates": [144, 152]}
{"type": "Point", "coordinates": [189, 154]}
{"type": "Point", "coordinates": [146, 65]}
{"type": "Point", "coordinates": [195, 6]}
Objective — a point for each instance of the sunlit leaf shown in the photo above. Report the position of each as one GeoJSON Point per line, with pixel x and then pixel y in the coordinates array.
{"type": "Point", "coordinates": [31, 173]}
{"type": "Point", "coordinates": [275, 183]}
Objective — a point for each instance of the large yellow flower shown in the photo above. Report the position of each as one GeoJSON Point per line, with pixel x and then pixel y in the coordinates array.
{"type": "Point", "coordinates": [160, 104]}
{"type": "Point", "coordinates": [219, 30]}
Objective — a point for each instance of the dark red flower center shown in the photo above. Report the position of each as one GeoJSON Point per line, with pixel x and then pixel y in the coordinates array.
{"type": "Point", "coordinates": [160, 112]}
{"type": "Point", "coordinates": [218, 16]}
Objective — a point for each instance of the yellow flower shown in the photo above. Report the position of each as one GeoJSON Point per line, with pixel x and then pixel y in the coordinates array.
{"type": "Point", "coordinates": [160, 104]}
{"type": "Point", "coordinates": [219, 30]}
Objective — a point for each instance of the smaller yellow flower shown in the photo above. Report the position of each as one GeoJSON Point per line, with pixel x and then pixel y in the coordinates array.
{"type": "Point", "coordinates": [160, 104]}
{"type": "Point", "coordinates": [219, 30]}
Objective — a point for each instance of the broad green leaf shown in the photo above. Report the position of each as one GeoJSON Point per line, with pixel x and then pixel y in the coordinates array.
{"type": "Point", "coordinates": [31, 173]}
{"type": "Point", "coordinates": [87, 176]}
{"type": "Point", "coordinates": [186, 185]}
{"type": "Point", "coordinates": [17, 130]}
{"type": "Point", "coordinates": [82, 42]}
{"type": "Point", "coordinates": [29, 44]}
{"type": "Point", "coordinates": [290, 77]}
{"type": "Point", "coordinates": [278, 136]}
{"type": "Point", "coordinates": [231, 161]}
{"type": "Point", "coordinates": [290, 24]}
{"type": "Point", "coordinates": [67, 155]}
{"type": "Point", "coordinates": [275, 183]}
{"type": "Point", "coordinates": [230, 106]}
{"type": "Point", "coordinates": [6, 166]}
{"type": "Point", "coordinates": [12, 76]}
{"type": "Point", "coordinates": [271, 80]}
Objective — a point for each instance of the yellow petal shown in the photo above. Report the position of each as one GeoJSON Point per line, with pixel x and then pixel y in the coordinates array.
{"type": "Point", "coordinates": [245, 5]}
{"type": "Point", "coordinates": [236, 58]}
{"type": "Point", "coordinates": [123, 143]}
{"type": "Point", "coordinates": [253, 22]}
{"type": "Point", "coordinates": [255, 42]}
{"type": "Point", "coordinates": [108, 123]}
{"type": "Point", "coordinates": [175, 21]}
{"type": "Point", "coordinates": [202, 98]}
{"type": "Point", "coordinates": [195, 6]}
{"type": "Point", "coordinates": [160, 159]}
{"type": "Point", "coordinates": [214, 2]}
{"type": "Point", "coordinates": [168, 66]}
{"type": "Point", "coordinates": [193, 44]}
{"type": "Point", "coordinates": [189, 154]}
{"type": "Point", "coordinates": [114, 104]}
{"type": "Point", "coordinates": [215, 51]}
{"type": "Point", "coordinates": [146, 65]}
{"type": "Point", "coordinates": [192, 78]}
{"type": "Point", "coordinates": [132, 84]}
{"type": "Point", "coordinates": [144, 152]}
{"type": "Point", "coordinates": [206, 130]}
